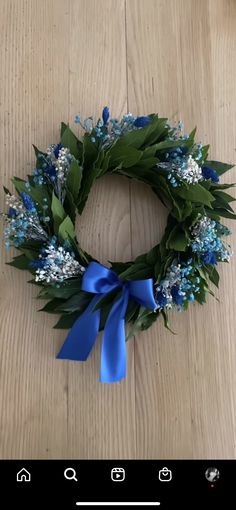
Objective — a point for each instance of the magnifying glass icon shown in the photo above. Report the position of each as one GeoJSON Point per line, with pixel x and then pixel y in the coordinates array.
{"type": "Point", "coordinates": [70, 474]}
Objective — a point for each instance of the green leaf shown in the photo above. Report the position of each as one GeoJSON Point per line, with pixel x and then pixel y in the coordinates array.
{"type": "Point", "coordinates": [222, 204]}
{"type": "Point", "coordinates": [51, 306]}
{"type": "Point", "coordinates": [87, 182]}
{"type": "Point", "coordinates": [58, 212]}
{"type": "Point", "coordinates": [222, 186]}
{"type": "Point", "coordinates": [66, 229]}
{"type": "Point", "coordinates": [195, 193]}
{"type": "Point", "coordinates": [224, 213]}
{"type": "Point", "coordinates": [120, 267]}
{"type": "Point", "coordinates": [213, 275]}
{"type": "Point", "coordinates": [212, 214]}
{"type": "Point", "coordinates": [157, 270]}
{"type": "Point", "coordinates": [73, 180]}
{"type": "Point", "coordinates": [219, 167]}
{"type": "Point", "coordinates": [78, 302]}
{"type": "Point", "coordinates": [127, 156]}
{"type": "Point", "coordinates": [224, 196]}
{"type": "Point", "coordinates": [149, 152]}
{"type": "Point", "coordinates": [137, 272]}
{"type": "Point", "coordinates": [6, 190]}
{"type": "Point", "coordinates": [90, 153]}
{"type": "Point", "coordinates": [20, 262]}
{"type": "Point", "coordinates": [153, 255]}
{"type": "Point", "coordinates": [63, 128]}
{"type": "Point", "coordinates": [166, 322]}
{"type": "Point", "coordinates": [109, 298]}
{"type": "Point", "coordinates": [144, 136]}
{"type": "Point", "coordinates": [205, 150]}
{"type": "Point", "coordinates": [177, 239]}
{"type": "Point", "coordinates": [202, 273]}
{"type": "Point", "coordinates": [132, 309]}
{"type": "Point", "coordinates": [158, 131]}
{"type": "Point", "coordinates": [168, 261]}
{"type": "Point", "coordinates": [193, 133]}
{"type": "Point", "coordinates": [144, 320]}
{"type": "Point", "coordinates": [65, 291]}
{"type": "Point", "coordinates": [66, 321]}
{"type": "Point", "coordinates": [38, 152]}
{"type": "Point", "coordinates": [186, 211]}
{"type": "Point", "coordinates": [200, 296]}
{"type": "Point", "coordinates": [70, 141]}
{"type": "Point", "coordinates": [169, 144]}
{"type": "Point", "coordinates": [140, 258]}
{"type": "Point", "coordinates": [69, 205]}
{"type": "Point", "coordinates": [32, 245]}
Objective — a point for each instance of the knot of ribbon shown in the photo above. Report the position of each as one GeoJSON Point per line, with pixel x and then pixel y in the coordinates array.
{"type": "Point", "coordinates": [100, 280]}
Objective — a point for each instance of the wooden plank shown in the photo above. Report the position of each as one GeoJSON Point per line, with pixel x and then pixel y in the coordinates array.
{"type": "Point", "coordinates": [34, 99]}
{"type": "Point", "coordinates": [60, 58]}
{"type": "Point", "coordinates": [101, 417]}
{"type": "Point", "coordinates": [185, 389]}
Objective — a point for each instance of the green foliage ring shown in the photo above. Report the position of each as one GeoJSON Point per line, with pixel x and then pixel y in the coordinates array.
{"type": "Point", "coordinates": [149, 150]}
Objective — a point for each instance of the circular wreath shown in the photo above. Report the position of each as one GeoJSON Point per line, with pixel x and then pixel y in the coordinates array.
{"type": "Point", "coordinates": [90, 297]}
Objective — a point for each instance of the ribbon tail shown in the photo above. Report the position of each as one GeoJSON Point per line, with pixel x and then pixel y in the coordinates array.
{"type": "Point", "coordinates": [113, 356]}
{"type": "Point", "coordinates": [82, 336]}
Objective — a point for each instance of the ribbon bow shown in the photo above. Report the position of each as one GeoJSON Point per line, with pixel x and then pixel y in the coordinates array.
{"type": "Point", "coordinates": [100, 280]}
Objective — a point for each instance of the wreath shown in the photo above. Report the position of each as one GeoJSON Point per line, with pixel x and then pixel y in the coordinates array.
{"type": "Point", "coordinates": [90, 297]}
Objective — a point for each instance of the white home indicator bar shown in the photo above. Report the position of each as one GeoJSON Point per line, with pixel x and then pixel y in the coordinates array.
{"type": "Point", "coordinates": [117, 503]}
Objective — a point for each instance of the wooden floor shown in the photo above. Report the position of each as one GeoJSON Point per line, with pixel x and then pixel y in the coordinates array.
{"type": "Point", "coordinates": [64, 57]}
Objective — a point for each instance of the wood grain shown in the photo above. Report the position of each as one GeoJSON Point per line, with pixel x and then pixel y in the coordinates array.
{"type": "Point", "coordinates": [60, 58]}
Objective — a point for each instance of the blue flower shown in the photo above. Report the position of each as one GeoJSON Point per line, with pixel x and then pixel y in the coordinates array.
{"type": "Point", "coordinates": [210, 173]}
{"type": "Point", "coordinates": [37, 263]}
{"type": "Point", "coordinates": [12, 212]}
{"type": "Point", "coordinates": [176, 296]}
{"type": "Point", "coordinates": [51, 171]}
{"type": "Point", "coordinates": [105, 114]}
{"type": "Point", "coordinates": [28, 202]}
{"type": "Point", "coordinates": [57, 149]}
{"type": "Point", "coordinates": [210, 258]}
{"type": "Point", "coordinates": [161, 299]}
{"type": "Point", "coordinates": [141, 121]}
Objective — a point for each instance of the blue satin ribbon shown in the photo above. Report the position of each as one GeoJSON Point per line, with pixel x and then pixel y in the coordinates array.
{"type": "Point", "coordinates": [100, 280]}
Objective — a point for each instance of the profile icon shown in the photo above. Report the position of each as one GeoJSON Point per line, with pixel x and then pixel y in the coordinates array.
{"type": "Point", "coordinates": [212, 474]}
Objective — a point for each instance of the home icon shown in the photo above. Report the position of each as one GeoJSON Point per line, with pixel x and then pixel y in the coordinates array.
{"type": "Point", "coordinates": [23, 476]}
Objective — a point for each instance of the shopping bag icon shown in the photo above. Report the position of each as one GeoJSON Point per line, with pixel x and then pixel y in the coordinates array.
{"type": "Point", "coordinates": [165, 475]}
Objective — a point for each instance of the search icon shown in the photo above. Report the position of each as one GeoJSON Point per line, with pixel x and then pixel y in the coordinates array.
{"type": "Point", "coordinates": [70, 474]}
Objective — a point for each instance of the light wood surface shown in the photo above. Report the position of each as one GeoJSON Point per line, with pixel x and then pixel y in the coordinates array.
{"type": "Point", "coordinates": [64, 57]}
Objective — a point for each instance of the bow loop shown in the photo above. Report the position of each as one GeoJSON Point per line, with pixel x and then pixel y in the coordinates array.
{"type": "Point", "coordinates": [142, 292]}
{"type": "Point", "coordinates": [99, 279]}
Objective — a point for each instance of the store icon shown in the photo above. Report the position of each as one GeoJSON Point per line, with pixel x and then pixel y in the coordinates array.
{"type": "Point", "coordinates": [165, 475]}
{"type": "Point", "coordinates": [118, 474]}
{"type": "Point", "coordinates": [23, 476]}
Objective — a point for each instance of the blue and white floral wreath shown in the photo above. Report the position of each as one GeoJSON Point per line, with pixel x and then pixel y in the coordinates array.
{"type": "Point", "coordinates": [89, 296]}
